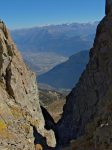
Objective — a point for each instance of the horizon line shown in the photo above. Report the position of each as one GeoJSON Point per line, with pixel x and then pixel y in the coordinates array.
{"type": "Point", "coordinates": [52, 24]}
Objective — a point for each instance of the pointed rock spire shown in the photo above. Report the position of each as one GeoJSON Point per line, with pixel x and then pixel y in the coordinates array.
{"type": "Point", "coordinates": [108, 7]}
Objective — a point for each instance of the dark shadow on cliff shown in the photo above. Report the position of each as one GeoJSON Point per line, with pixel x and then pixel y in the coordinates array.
{"type": "Point", "coordinates": [49, 122]}
{"type": "Point", "coordinates": [49, 125]}
{"type": "Point", "coordinates": [39, 139]}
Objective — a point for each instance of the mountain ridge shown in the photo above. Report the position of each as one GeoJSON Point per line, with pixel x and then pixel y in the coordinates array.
{"type": "Point", "coordinates": [61, 39]}
{"type": "Point", "coordinates": [66, 74]}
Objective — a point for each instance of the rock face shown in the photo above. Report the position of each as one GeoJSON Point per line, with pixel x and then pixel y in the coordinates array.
{"type": "Point", "coordinates": [108, 7]}
{"type": "Point", "coordinates": [19, 102]}
{"type": "Point", "coordinates": [88, 110]}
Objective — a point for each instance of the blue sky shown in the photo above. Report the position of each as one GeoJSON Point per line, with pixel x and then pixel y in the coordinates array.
{"type": "Point", "coordinates": [29, 13]}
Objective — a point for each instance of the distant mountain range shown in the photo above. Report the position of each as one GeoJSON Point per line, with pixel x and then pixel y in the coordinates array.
{"type": "Point", "coordinates": [45, 47]}
{"type": "Point", "coordinates": [66, 75]}
{"type": "Point", "coordinates": [64, 39]}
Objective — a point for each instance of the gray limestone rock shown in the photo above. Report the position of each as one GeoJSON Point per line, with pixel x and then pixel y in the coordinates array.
{"type": "Point", "coordinates": [19, 101]}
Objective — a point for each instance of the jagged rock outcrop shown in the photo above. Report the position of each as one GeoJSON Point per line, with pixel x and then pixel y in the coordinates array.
{"type": "Point", "coordinates": [88, 110]}
{"type": "Point", "coordinates": [19, 103]}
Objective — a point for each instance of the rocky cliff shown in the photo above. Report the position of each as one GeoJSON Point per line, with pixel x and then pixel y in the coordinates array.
{"type": "Point", "coordinates": [20, 111]}
{"type": "Point", "coordinates": [88, 110]}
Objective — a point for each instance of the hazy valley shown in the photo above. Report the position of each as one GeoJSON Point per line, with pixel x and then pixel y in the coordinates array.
{"type": "Point", "coordinates": [66, 75]}
{"type": "Point", "coordinates": [43, 48]}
